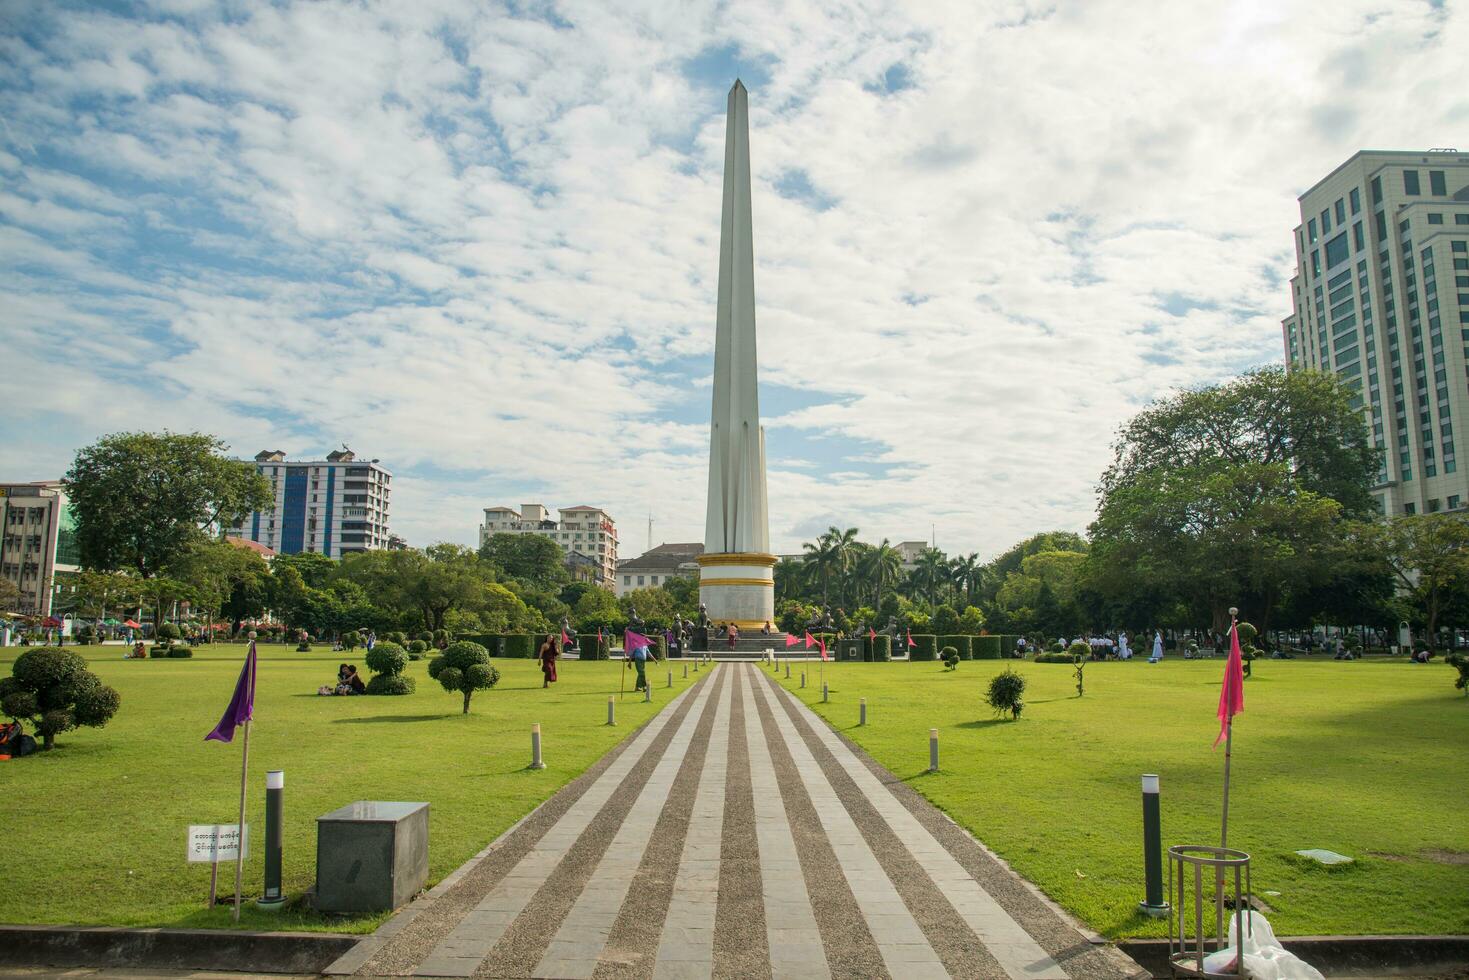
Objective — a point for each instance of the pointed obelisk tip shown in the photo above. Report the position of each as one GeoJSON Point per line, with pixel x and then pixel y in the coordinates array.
{"type": "Point", "coordinates": [737, 86]}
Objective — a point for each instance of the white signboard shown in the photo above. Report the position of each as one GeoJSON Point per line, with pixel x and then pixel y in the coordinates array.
{"type": "Point", "coordinates": [215, 843]}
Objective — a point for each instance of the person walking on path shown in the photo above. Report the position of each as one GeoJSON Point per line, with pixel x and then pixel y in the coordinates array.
{"type": "Point", "coordinates": [548, 654]}
{"type": "Point", "coordinates": [638, 657]}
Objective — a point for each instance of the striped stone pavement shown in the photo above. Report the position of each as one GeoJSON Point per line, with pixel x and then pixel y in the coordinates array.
{"type": "Point", "coordinates": [735, 835]}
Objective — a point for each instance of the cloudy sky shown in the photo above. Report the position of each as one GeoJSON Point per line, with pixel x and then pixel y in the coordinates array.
{"type": "Point", "coordinates": [480, 241]}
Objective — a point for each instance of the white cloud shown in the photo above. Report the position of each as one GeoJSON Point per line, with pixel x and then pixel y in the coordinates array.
{"type": "Point", "coordinates": [483, 247]}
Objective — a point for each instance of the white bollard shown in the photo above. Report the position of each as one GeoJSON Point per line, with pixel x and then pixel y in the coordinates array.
{"type": "Point", "coordinates": [803, 678]}
{"type": "Point", "coordinates": [685, 671]}
{"type": "Point", "coordinates": [933, 750]}
{"type": "Point", "coordinates": [862, 712]}
{"type": "Point", "coordinates": [535, 747]}
{"type": "Point", "coordinates": [825, 693]}
{"type": "Point", "coordinates": [611, 711]}
{"type": "Point", "coordinates": [647, 693]}
{"type": "Point", "coordinates": [788, 671]}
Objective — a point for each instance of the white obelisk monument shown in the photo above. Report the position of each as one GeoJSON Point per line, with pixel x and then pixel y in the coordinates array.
{"type": "Point", "coordinates": [737, 571]}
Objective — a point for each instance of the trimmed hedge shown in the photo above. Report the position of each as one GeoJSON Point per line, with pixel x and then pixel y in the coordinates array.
{"type": "Point", "coordinates": [850, 649]}
{"type": "Point", "coordinates": [588, 647]}
{"type": "Point", "coordinates": [960, 642]}
{"type": "Point", "coordinates": [180, 653]}
{"type": "Point", "coordinates": [881, 648]}
{"type": "Point", "coordinates": [986, 648]}
{"type": "Point", "coordinates": [522, 645]}
{"type": "Point", "coordinates": [927, 647]}
{"type": "Point", "coordinates": [1053, 658]}
{"type": "Point", "coordinates": [1007, 643]}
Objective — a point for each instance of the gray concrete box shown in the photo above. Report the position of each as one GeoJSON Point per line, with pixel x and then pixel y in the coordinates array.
{"type": "Point", "coordinates": [371, 856]}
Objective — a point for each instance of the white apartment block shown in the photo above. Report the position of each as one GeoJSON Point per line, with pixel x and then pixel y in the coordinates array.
{"type": "Point", "coordinates": [38, 545]}
{"type": "Point", "coordinates": [1381, 298]}
{"type": "Point", "coordinates": [587, 531]}
{"type": "Point", "coordinates": [334, 506]}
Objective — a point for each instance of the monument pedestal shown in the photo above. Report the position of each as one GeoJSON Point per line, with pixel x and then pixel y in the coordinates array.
{"type": "Point", "coordinates": [739, 589]}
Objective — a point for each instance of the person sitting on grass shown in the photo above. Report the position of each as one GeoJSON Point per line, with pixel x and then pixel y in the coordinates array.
{"type": "Point", "coordinates": [355, 682]}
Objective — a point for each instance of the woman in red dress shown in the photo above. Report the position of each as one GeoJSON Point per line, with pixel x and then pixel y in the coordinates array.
{"type": "Point", "coordinates": [548, 655]}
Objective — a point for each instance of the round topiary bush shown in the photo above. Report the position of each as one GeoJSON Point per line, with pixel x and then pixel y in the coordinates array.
{"type": "Point", "coordinates": [950, 657]}
{"type": "Point", "coordinates": [1079, 649]}
{"type": "Point", "coordinates": [390, 684]}
{"type": "Point", "coordinates": [168, 632]}
{"type": "Point", "coordinates": [426, 636]}
{"type": "Point", "coordinates": [386, 658]}
{"type": "Point", "coordinates": [1055, 657]}
{"type": "Point", "coordinates": [1056, 646]}
{"type": "Point", "coordinates": [54, 692]}
{"type": "Point", "coordinates": [441, 638]}
{"type": "Point", "coordinates": [350, 640]}
{"type": "Point", "coordinates": [417, 646]}
{"type": "Point", "coordinates": [1006, 694]}
{"type": "Point", "coordinates": [464, 667]}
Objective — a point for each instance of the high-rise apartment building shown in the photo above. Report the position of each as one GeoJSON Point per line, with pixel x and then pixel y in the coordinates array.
{"type": "Point", "coordinates": [585, 531]}
{"type": "Point", "coordinates": [1381, 299]}
{"type": "Point", "coordinates": [334, 506]}
{"type": "Point", "coordinates": [38, 544]}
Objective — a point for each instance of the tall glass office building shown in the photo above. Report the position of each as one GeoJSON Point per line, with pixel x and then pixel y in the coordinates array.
{"type": "Point", "coordinates": [333, 506]}
{"type": "Point", "coordinates": [1381, 298]}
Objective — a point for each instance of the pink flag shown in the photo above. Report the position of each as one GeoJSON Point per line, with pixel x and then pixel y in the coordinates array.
{"type": "Point", "coordinates": [792, 640]}
{"type": "Point", "coordinates": [871, 633]}
{"type": "Point", "coordinates": [633, 642]}
{"type": "Point", "coordinates": [910, 639]}
{"type": "Point", "coordinates": [565, 640]}
{"type": "Point", "coordinates": [1232, 695]}
{"type": "Point", "coordinates": [821, 644]}
{"type": "Point", "coordinates": [810, 641]}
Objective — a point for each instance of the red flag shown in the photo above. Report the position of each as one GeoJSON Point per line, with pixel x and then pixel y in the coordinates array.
{"type": "Point", "coordinates": [910, 639]}
{"type": "Point", "coordinates": [565, 640]}
{"type": "Point", "coordinates": [792, 640]}
{"type": "Point", "coordinates": [871, 633]}
{"type": "Point", "coordinates": [1232, 695]}
{"type": "Point", "coordinates": [810, 641]}
{"type": "Point", "coordinates": [822, 645]}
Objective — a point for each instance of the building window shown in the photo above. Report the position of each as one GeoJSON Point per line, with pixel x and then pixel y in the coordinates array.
{"type": "Point", "coordinates": [640, 580]}
{"type": "Point", "coordinates": [1453, 501]}
{"type": "Point", "coordinates": [1433, 506]}
{"type": "Point", "coordinates": [1410, 183]}
{"type": "Point", "coordinates": [1436, 183]}
{"type": "Point", "coordinates": [1311, 231]}
{"type": "Point", "coordinates": [1326, 222]}
{"type": "Point", "coordinates": [627, 580]}
{"type": "Point", "coordinates": [1435, 219]}
{"type": "Point", "coordinates": [655, 580]}
{"type": "Point", "coordinates": [1357, 239]}
{"type": "Point", "coordinates": [1336, 251]}
{"type": "Point", "coordinates": [1410, 508]}
{"type": "Point", "coordinates": [1356, 198]}
{"type": "Point", "coordinates": [1461, 219]}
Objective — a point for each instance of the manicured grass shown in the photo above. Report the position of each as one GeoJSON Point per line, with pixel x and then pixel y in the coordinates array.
{"type": "Point", "coordinates": [1366, 759]}
{"type": "Point", "coordinates": [93, 832]}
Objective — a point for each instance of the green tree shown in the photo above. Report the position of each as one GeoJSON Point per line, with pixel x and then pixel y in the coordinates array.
{"type": "Point", "coordinates": [532, 559]}
{"type": "Point", "coordinates": [428, 582]}
{"type": "Point", "coordinates": [653, 604]}
{"type": "Point", "coordinates": [316, 569]}
{"type": "Point", "coordinates": [597, 607]}
{"type": "Point", "coordinates": [54, 692]}
{"type": "Point", "coordinates": [930, 573]}
{"type": "Point", "coordinates": [141, 497]}
{"type": "Point", "coordinates": [1429, 553]}
{"type": "Point", "coordinates": [882, 567]}
{"type": "Point", "coordinates": [464, 668]}
{"type": "Point", "coordinates": [1233, 495]}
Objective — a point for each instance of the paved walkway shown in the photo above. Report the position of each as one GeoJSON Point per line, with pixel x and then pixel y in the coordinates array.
{"type": "Point", "coordinates": [735, 835]}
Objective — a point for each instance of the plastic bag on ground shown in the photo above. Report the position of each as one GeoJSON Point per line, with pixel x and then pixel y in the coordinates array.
{"type": "Point", "coordinates": [1265, 958]}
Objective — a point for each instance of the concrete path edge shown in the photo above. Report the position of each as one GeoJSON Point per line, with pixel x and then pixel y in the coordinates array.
{"type": "Point", "coordinates": [171, 949]}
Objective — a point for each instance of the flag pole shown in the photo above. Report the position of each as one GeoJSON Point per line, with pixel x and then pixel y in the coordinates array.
{"type": "Point", "coordinates": [1228, 744]}
{"type": "Point", "coordinates": [240, 851]}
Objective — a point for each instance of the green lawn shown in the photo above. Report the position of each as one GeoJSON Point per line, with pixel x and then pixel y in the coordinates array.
{"type": "Point", "coordinates": [1362, 758]}
{"type": "Point", "coordinates": [93, 832]}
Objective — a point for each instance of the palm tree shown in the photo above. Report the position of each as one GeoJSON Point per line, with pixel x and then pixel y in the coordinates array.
{"type": "Point", "coordinates": [882, 566]}
{"type": "Point", "coordinates": [844, 545]}
{"type": "Point", "coordinates": [822, 559]}
{"type": "Point", "coordinates": [967, 572]}
{"type": "Point", "coordinates": [790, 579]}
{"type": "Point", "coordinates": [930, 571]}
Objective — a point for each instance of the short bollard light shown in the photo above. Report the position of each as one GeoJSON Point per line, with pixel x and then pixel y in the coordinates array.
{"type": "Point", "coordinates": [788, 671]}
{"type": "Point", "coordinates": [647, 692]}
{"type": "Point", "coordinates": [862, 712]}
{"type": "Point", "coordinates": [825, 693]}
{"type": "Point", "coordinates": [1153, 903]}
{"type": "Point", "coordinates": [670, 678]}
{"type": "Point", "coordinates": [535, 747]}
{"type": "Point", "coordinates": [275, 785]}
{"type": "Point", "coordinates": [803, 678]}
{"type": "Point", "coordinates": [611, 711]}
{"type": "Point", "coordinates": [685, 671]}
{"type": "Point", "coordinates": [933, 750]}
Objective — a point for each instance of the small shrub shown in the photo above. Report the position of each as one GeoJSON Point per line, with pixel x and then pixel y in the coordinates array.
{"type": "Point", "coordinates": [1079, 649]}
{"type": "Point", "coordinates": [158, 650]}
{"type": "Point", "coordinates": [426, 636]}
{"type": "Point", "coordinates": [441, 638]}
{"type": "Point", "coordinates": [1007, 691]}
{"type": "Point", "coordinates": [390, 684]}
{"type": "Point", "coordinates": [1460, 663]}
{"type": "Point", "coordinates": [303, 647]}
{"type": "Point", "coordinates": [417, 646]}
{"type": "Point", "coordinates": [1055, 646]}
{"type": "Point", "coordinates": [350, 639]}
{"type": "Point", "coordinates": [1053, 657]}
{"type": "Point", "coordinates": [415, 657]}
{"type": "Point", "coordinates": [950, 658]}
{"type": "Point", "coordinates": [387, 658]}
{"type": "Point", "coordinates": [464, 667]}
{"type": "Point", "coordinates": [168, 632]}
{"type": "Point", "coordinates": [180, 653]}
{"type": "Point", "coordinates": [54, 692]}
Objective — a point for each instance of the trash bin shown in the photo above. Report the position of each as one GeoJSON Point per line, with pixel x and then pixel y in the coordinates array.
{"type": "Point", "coordinates": [371, 856]}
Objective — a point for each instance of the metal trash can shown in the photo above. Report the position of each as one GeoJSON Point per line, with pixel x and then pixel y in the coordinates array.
{"type": "Point", "coordinates": [1198, 873]}
{"type": "Point", "coordinates": [371, 856]}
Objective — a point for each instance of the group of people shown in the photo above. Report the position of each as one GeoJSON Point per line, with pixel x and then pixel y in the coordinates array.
{"type": "Point", "coordinates": [348, 682]}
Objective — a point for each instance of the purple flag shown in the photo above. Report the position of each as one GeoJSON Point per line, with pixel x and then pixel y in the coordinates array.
{"type": "Point", "coordinates": [633, 641]}
{"type": "Point", "coordinates": [242, 706]}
